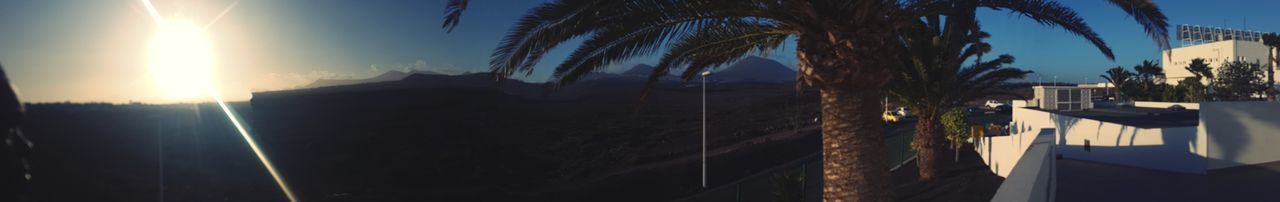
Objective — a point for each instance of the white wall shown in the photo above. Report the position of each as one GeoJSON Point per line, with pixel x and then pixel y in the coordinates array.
{"type": "Point", "coordinates": [1241, 133]}
{"type": "Point", "coordinates": [1035, 179]}
{"type": "Point", "coordinates": [1179, 149]}
{"type": "Point", "coordinates": [1188, 105]}
{"type": "Point", "coordinates": [1001, 153]}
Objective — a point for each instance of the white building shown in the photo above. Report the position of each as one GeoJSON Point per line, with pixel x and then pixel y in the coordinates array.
{"type": "Point", "coordinates": [1066, 98]}
{"type": "Point", "coordinates": [1215, 46]}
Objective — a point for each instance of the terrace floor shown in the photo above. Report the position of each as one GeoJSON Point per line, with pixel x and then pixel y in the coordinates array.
{"type": "Point", "coordinates": [1089, 181]}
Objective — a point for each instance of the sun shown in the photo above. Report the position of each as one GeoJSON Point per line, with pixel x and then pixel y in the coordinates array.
{"type": "Point", "coordinates": [181, 60]}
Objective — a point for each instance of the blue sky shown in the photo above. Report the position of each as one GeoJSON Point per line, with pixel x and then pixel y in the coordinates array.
{"type": "Point", "coordinates": [96, 50]}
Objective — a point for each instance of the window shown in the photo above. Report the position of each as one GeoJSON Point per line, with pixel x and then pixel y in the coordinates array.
{"type": "Point", "coordinates": [1069, 99]}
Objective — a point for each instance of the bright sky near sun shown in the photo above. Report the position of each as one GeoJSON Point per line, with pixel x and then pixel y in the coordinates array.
{"type": "Point", "coordinates": [95, 51]}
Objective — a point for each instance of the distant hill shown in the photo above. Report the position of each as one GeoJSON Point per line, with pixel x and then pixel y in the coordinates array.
{"type": "Point", "coordinates": [643, 71]}
{"type": "Point", "coordinates": [640, 70]}
{"type": "Point", "coordinates": [384, 77]}
{"type": "Point", "coordinates": [756, 69]}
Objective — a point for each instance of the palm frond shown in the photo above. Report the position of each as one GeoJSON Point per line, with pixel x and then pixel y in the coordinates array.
{"type": "Point", "coordinates": [453, 14]}
{"type": "Point", "coordinates": [541, 30]}
{"type": "Point", "coordinates": [1147, 14]}
{"type": "Point", "coordinates": [617, 42]}
{"type": "Point", "coordinates": [642, 25]}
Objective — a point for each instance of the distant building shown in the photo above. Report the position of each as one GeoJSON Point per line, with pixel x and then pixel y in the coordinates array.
{"type": "Point", "coordinates": [1065, 98]}
{"type": "Point", "coordinates": [1215, 46]}
{"type": "Point", "coordinates": [1101, 90]}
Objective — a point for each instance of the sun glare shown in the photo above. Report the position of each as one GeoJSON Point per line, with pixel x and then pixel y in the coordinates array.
{"type": "Point", "coordinates": [181, 61]}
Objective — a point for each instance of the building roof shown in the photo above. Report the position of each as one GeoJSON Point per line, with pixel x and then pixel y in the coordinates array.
{"type": "Point", "coordinates": [1139, 116]}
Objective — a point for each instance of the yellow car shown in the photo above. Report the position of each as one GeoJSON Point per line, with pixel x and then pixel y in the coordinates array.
{"type": "Point", "coordinates": [890, 117]}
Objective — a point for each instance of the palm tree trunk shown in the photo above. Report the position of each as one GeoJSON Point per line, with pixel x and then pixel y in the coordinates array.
{"type": "Point", "coordinates": [854, 167]}
{"type": "Point", "coordinates": [928, 141]}
{"type": "Point", "coordinates": [1271, 75]}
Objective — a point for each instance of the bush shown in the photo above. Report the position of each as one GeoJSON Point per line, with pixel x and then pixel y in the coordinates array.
{"type": "Point", "coordinates": [957, 129]}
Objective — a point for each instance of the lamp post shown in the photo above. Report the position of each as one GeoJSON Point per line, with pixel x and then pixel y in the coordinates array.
{"type": "Point", "coordinates": [704, 127]}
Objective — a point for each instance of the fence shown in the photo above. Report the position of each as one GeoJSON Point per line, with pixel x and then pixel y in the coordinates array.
{"type": "Point", "coordinates": [762, 186]}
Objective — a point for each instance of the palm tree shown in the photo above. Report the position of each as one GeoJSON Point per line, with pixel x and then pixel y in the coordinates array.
{"type": "Point", "coordinates": [1200, 69]}
{"type": "Point", "coordinates": [932, 80]}
{"type": "Point", "coordinates": [1120, 79]}
{"type": "Point", "coordinates": [1199, 89]}
{"type": "Point", "coordinates": [1149, 75]}
{"type": "Point", "coordinates": [846, 49]}
{"type": "Point", "coordinates": [1272, 40]}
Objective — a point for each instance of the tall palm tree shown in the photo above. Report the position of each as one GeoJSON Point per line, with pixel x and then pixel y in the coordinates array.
{"type": "Point", "coordinates": [1120, 78]}
{"type": "Point", "coordinates": [932, 80]}
{"type": "Point", "coordinates": [846, 49]}
{"type": "Point", "coordinates": [1272, 40]}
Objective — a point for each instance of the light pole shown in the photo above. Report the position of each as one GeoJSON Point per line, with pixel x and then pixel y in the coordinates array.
{"type": "Point", "coordinates": [704, 127]}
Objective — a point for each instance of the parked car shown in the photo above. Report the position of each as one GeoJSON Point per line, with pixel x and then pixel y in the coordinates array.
{"type": "Point", "coordinates": [891, 117]}
{"type": "Point", "coordinates": [974, 111]}
{"type": "Point", "coordinates": [992, 104]}
{"type": "Point", "coordinates": [1004, 109]}
{"type": "Point", "coordinates": [904, 112]}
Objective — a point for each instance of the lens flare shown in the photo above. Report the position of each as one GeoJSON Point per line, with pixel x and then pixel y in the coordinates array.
{"type": "Point", "coordinates": [256, 151]}
{"type": "Point", "coordinates": [181, 64]}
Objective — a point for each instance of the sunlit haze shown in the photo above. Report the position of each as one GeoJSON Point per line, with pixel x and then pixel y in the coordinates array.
{"type": "Point", "coordinates": [181, 60]}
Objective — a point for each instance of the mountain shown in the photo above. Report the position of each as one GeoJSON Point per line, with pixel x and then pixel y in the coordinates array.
{"type": "Point", "coordinates": [640, 70]}
{"type": "Point", "coordinates": [384, 77]}
{"type": "Point", "coordinates": [756, 69]}
{"type": "Point", "coordinates": [643, 71]}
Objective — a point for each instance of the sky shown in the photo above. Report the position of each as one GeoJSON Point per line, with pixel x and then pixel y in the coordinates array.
{"type": "Point", "coordinates": [97, 51]}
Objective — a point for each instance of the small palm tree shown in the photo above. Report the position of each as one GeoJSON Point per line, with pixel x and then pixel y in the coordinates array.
{"type": "Point", "coordinates": [1150, 75]}
{"type": "Point", "coordinates": [1120, 79]}
{"type": "Point", "coordinates": [1200, 69]}
{"type": "Point", "coordinates": [846, 49]}
{"type": "Point", "coordinates": [1203, 73]}
{"type": "Point", "coordinates": [932, 79]}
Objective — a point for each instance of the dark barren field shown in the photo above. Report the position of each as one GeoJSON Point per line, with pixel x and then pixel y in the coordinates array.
{"type": "Point", "coordinates": [125, 152]}
{"type": "Point", "coordinates": [427, 137]}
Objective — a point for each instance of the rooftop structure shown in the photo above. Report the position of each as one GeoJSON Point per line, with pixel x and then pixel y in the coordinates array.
{"type": "Point", "coordinates": [1211, 151]}
{"type": "Point", "coordinates": [1195, 34]}
{"type": "Point", "coordinates": [1213, 44]}
{"type": "Point", "coordinates": [1214, 54]}
{"type": "Point", "coordinates": [1066, 98]}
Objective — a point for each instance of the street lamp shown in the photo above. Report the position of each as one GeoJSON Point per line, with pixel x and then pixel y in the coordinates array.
{"type": "Point", "coordinates": [704, 127]}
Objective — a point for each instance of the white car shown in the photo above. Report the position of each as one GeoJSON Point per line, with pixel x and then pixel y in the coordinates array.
{"type": "Point", "coordinates": [992, 104]}
{"type": "Point", "coordinates": [904, 112]}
